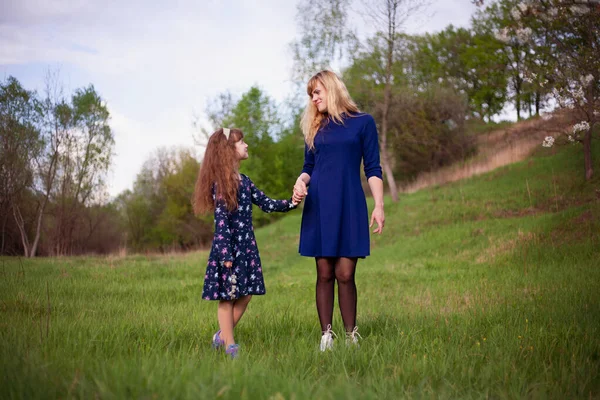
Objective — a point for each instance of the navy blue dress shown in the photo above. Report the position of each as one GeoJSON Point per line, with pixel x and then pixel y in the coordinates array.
{"type": "Point", "coordinates": [335, 220]}
{"type": "Point", "coordinates": [234, 241]}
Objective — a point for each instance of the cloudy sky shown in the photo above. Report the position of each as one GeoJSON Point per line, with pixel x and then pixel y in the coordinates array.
{"type": "Point", "coordinates": [157, 63]}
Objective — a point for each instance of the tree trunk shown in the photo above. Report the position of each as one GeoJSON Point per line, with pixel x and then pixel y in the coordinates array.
{"type": "Point", "coordinates": [587, 154]}
{"type": "Point", "coordinates": [388, 170]}
{"type": "Point", "coordinates": [21, 226]}
{"type": "Point", "coordinates": [5, 217]}
{"type": "Point", "coordinates": [587, 139]}
{"type": "Point", "coordinates": [518, 81]}
{"type": "Point", "coordinates": [518, 102]}
{"type": "Point", "coordinates": [387, 96]}
{"type": "Point", "coordinates": [537, 103]}
{"type": "Point", "coordinates": [38, 227]}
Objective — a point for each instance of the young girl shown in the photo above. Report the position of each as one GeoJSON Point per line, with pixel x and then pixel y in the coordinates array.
{"type": "Point", "coordinates": [234, 270]}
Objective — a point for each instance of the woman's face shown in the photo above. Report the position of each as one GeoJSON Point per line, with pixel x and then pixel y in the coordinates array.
{"type": "Point", "coordinates": [319, 97]}
{"type": "Point", "coordinates": [241, 149]}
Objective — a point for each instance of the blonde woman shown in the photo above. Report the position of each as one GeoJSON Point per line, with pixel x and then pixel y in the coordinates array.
{"type": "Point", "coordinates": [335, 221]}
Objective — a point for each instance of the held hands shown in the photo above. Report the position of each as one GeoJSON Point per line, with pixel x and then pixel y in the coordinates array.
{"type": "Point", "coordinates": [300, 192]}
{"type": "Point", "coordinates": [228, 264]}
{"type": "Point", "coordinates": [378, 216]}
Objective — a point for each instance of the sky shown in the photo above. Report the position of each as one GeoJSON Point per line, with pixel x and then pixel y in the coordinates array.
{"type": "Point", "coordinates": [157, 64]}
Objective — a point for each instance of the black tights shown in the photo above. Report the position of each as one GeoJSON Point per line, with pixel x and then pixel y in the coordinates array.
{"type": "Point", "coordinates": [329, 270]}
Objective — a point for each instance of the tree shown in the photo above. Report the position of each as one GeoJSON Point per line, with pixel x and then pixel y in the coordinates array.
{"type": "Point", "coordinates": [158, 211]}
{"type": "Point", "coordinates": [390, 15]}
{"type": "Point", "coordinates": [470, 62]}
{"type": "Point", "coordinates": [177, 221]}
{"type": "Point", "coordinates": [525, 68]}
{"type": "Point", "coordinates": [324, 37]}
{"type": "Point", "coordinates": [84, 158]}
{"type": "Point", "coordinates": [567, 32]}
{"type": "Point", "coordinates": [20, 146]}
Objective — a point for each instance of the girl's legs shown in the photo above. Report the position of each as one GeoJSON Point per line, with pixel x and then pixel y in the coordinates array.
{"type": "Point", "coordinates": [225, 317]}
{"type": "Point", "coordinates": [229, 314]}
{"type": "Point", "coordinates": [239, 307]}
{"type": "Point", "coordinates": [344, 274]}
{"type": "Point", "coordinates": [324, 291]}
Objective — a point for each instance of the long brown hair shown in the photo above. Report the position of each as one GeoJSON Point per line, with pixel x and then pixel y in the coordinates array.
{"type": "Point", "coordinates": [338, 102]}
{"type": "Point", "coordinates": [218, 169]}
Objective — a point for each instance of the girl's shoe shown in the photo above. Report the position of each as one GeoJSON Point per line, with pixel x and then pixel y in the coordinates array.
{"type": "Point", "coordinates": [232, 350]}
{"type": "Point", "coordinates": [327, 339]}
{"type": "Point", "coordinates": [352, 337]}
{"type": "Point", "coordinates": [217, 342]}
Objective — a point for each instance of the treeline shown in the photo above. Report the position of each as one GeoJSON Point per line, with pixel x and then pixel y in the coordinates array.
{"type": "Point", "coordinates": [424, 91]}
{"type": "Point", "coordinates": [55, 153]}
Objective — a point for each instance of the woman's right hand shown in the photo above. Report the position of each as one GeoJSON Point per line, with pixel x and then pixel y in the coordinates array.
{"type": "Point", "coordinates": [228, 264]}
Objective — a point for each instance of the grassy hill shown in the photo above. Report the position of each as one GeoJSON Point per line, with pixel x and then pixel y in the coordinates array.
{"type": "Point", "coordinates": [485, 287]}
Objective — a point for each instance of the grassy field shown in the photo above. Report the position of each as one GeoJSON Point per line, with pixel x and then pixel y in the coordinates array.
{"type": "Point", "coordinates": [485, 288]}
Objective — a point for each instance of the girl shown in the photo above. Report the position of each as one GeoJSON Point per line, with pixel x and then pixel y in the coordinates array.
{"type": "Point", "coordinates": [234, 270]}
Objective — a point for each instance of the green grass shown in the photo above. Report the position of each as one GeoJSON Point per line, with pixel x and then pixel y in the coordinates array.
{"type": "Point", "coordinates": [478, 289]}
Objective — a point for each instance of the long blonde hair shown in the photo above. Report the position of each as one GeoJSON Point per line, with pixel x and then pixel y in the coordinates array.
{"type": "Point", "coordinates": [338, 102]}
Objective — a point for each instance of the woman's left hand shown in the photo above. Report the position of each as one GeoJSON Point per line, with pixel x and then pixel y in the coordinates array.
{"type": "Point", "coordinates": [378, 216]}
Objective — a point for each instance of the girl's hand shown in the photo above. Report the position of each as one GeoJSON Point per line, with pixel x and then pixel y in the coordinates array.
{"type": "Point", "coordinates": [228, 264]}
{"type": "Point", "coordinates": [379, 217]}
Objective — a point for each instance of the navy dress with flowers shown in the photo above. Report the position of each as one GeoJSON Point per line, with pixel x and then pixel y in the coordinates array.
{"type": "Point", "coordinates": [234, 241]}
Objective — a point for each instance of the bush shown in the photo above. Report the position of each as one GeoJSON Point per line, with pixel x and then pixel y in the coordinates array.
{"type": "Point", "coordinates": [427, 131]}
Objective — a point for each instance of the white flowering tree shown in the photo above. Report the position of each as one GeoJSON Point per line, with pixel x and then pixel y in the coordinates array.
{"type": "Point", "coordinates": [565, 33]}
{"type": "Point", "coordinates": [524, 68]}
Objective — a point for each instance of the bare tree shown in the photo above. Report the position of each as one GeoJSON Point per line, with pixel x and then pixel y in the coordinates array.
{"type": "Point", "coordinates": [324, 37]}
{"type": "Point", "coordinates": [389, 16]}
{"type": "Point", "coordinates": [217, 110]}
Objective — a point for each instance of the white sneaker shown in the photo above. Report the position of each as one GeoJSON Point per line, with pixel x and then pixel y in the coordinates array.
{"type": "Point", "coordinates": [352, 337]}
{"type": "Point", "coordinates": [327, 339]}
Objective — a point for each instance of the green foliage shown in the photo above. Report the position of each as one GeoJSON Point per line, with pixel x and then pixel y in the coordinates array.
{"type": "Point", "coordinates": [20, 141]}
{"type": "Point", "coordinates": [471, 63]}
{"type": "Point", "coordinates": [55, 156]}
{"type": "Point", "coordinates": [426, 125]}
{"type": "Point", "coordinates": [428, 131]}
{"type": "Point", "coordinates": [527, 69]}
{"type": "Point", "coordinates": [276, 152]}
{"type": "Point", "coordinates": [159, 210]}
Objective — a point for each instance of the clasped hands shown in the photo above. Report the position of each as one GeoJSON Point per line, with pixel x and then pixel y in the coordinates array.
{"type": "Point", "coordinates": [300, 192]}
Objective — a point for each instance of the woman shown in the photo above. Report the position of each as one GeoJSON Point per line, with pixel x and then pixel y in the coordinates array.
{"type": "Point", "coordinates": [335, 226]}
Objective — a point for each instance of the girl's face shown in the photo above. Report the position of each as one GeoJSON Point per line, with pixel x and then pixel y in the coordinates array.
{"type": "Point", "coordinates": [319, 97]}
{"type": "Point", "coordinates": [241, 149]}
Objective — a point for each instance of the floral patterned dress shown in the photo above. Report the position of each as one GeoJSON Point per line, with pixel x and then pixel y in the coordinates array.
{"type": "Point", "coordinates": [234, 241]}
